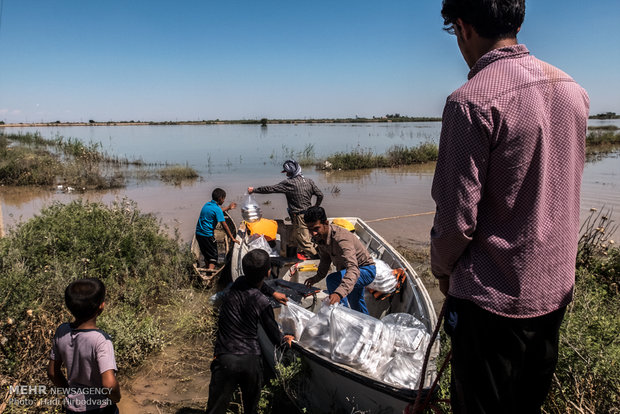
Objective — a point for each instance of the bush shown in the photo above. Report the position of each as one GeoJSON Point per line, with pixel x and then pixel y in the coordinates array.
{"type": "Point", "coordinates": [177, 173]}
{"type": "Point", "coordinates": [141, 266]}
{"type": "Point", "coordinates": [395, 156]}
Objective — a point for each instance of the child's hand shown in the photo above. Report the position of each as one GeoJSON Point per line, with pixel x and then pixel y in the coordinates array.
{"type": "Point", "coordinates": [289, 339]}
{"type": "Point", "coordinates": [280, 297]}
{"type": "Point", "coordinates": [232, 205]}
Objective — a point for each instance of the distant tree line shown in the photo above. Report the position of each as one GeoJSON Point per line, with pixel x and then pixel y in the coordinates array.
{"type": "Point", "coordinates": [606, 115]}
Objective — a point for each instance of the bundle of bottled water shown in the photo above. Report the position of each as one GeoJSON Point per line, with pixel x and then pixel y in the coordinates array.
{"type": "Point", "coordinates": [390, 350]}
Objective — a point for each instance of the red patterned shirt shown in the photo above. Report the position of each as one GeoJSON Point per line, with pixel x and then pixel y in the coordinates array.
{"type": "Point", "coordinates": [507, 185]}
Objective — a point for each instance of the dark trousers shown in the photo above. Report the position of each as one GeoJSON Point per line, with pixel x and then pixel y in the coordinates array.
{"type": "Point", "coordinates": [500, 365]}
{"type": "Point", "coordinates": [229, 371]}
{"type": "Point", "coordinates": [208, 248]}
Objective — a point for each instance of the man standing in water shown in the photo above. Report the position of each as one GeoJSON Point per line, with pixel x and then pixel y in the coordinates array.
{"type": "Point", "coordinates": [299, 191]}
{"type": "Point", "coordinates": [506, 186]}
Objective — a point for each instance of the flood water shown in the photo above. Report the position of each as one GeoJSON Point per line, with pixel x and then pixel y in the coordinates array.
{"type": "Point", "coordinates": [237, 156]}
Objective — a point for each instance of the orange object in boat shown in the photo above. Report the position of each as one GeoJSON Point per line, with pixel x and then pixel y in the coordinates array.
{"type": "Point", "coordinates": [266, 227]}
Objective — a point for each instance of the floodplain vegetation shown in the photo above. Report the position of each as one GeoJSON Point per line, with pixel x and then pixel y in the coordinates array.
{"type": "Point", "coordinates": [602, 141]}
{"type": "Point", "coordinates": [146, 273]}
{"type": "Point", "coordinates": [363, 158]}
{"type": "Point", "coordinates": [148, 278]}
{"type": "Point", "coordinates": [71, 165]}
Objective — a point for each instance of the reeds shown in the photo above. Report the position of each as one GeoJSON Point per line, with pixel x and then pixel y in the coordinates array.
{"type": "Point", "coordinates": [30, 159]}
{"type": "Point", "coordinates": [177, 173]}
{"type": "Point", "coordinates": [396, 156]}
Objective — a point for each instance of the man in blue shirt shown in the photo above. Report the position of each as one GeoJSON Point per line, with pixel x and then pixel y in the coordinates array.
{"type": "Point", "coordinates": [211, 214]}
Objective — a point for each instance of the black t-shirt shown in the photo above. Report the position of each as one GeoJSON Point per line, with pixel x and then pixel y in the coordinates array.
{"type": "Point", "coordinates": [244, 307]}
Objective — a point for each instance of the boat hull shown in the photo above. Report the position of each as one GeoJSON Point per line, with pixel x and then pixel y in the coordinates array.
{"type": "Point", "coordinates": [326, 386]}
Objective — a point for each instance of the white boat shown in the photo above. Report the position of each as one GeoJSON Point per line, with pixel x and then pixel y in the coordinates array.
{"type": "Point", "coordinates": [327, 386]}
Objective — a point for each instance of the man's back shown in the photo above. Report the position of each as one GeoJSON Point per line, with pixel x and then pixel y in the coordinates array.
{"type": "Point", "coordinates": [243, 309]}
{"type": "Point", "coordinates": [513, 139]}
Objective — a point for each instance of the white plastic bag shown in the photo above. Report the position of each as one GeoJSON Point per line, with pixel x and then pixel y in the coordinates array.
{"type": "Point", "coordinates": [385, 280]}
{"type": "Point", "coordinates": [409, 349]}
{"type": "Point", "coordinates": [293, 318]}
{"type": "Point", "coordinates": [360, 341]}
{"type": "Point", "coordinates": [409, 331]}
{"type": "Point", "coordinates": [316, 334]}
{"type": "Point", "coordinates": [250, 210]}
{"type": "Point", "coordinates": [403, 371]}
{"type": "Point", "coordinates": [258, 241]}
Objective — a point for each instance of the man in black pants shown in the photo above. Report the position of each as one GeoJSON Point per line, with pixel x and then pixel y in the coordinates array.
{"type": "Point", "coordinates": [238, 359]}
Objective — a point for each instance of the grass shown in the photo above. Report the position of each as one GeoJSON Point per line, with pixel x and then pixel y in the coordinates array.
{"type": "Point", "coordinates": [177, 173]}
{"type": "Point", "coordinates": [30, 159]}
{"type": "Point", "coordinates": [143, 269]}
{"type": "Point", "coordinates": [602, 141]}
{"type": "Point", "coordinates": [396, 156]}
{"type": "Point", "coordinates": [587, 379]}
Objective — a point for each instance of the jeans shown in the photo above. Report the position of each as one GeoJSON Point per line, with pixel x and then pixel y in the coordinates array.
{"type": "Point", "coordinates": [355, 299]}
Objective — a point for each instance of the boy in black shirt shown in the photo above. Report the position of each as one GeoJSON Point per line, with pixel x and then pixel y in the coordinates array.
{"type": "Point", "coordinates": [238, 360]}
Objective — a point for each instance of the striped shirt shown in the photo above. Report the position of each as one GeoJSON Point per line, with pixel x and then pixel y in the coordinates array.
{"type": "Point", "coordinates": [298, 190]}
{"type": "Point", "coordinates": [507, 185]}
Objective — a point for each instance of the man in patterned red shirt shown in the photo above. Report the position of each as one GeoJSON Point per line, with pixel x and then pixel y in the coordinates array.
{"type": "Point", "coordinates": [507, 190]}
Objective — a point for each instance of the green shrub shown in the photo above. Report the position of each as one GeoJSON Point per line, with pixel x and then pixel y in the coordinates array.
{"type": "Point", "coordinates": [177, 173]}
{"type": "Point", "coordinates": [398, 155]}
{"type": "Point", "coordinates": [141, 266]}
{"type": "Point", "coordinates": [587, 378]}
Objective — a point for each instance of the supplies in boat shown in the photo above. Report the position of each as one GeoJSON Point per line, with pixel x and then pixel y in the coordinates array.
{"type": "Point", "coordinates": [344, 223]}
{"type": "Point", "coordinates": [387, 281]}
{"type": "Point", "coordinates": [258, 241]}
{"type": "Point", "coordinates": [250, 210]}
{"type": "Point", "coordinates": [409, 349]}
{"type": "Point", "coordinates": [293, 319]}
{"type": "Point", "coordinates": [389, 350]}
{"type": "Point", "coordinates": [266, 227]}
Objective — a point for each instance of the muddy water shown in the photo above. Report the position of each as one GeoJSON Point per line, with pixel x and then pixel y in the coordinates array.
{"type": "Point", "coordinates": [237, 156]}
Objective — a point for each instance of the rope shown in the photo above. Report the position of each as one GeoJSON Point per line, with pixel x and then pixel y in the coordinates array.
{"type": "Point", "coordinates": [399, 217]}
{"type": "Point", "coordinates": [418, 407]}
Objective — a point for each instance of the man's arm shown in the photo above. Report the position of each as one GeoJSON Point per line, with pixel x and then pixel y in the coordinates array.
{"type": "Point", "coordinates": [231, 206]}
{"type": "Point", "coordinates": [281, 187]}
{"type": "Point", "coordinates": [324, 263]}
{"type": "Point", "coordinates": [458, 183]}
{"type": "Point", "coordinates": [352, 272]}
{"type": "Point", "coordinates": [318, 193]}
{"type": "Point", "coordinates": [269, 324]}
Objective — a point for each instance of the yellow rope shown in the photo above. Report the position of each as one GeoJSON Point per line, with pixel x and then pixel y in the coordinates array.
{"type": "Point", "coordinates": [398, 217]}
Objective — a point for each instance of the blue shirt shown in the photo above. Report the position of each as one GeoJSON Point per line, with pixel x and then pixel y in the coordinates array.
{"type": "Point", "coordinates": [210, 215]}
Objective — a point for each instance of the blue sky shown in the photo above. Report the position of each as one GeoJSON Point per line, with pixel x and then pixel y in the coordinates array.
{"type": "Point", "coordinates": [73, 60]}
